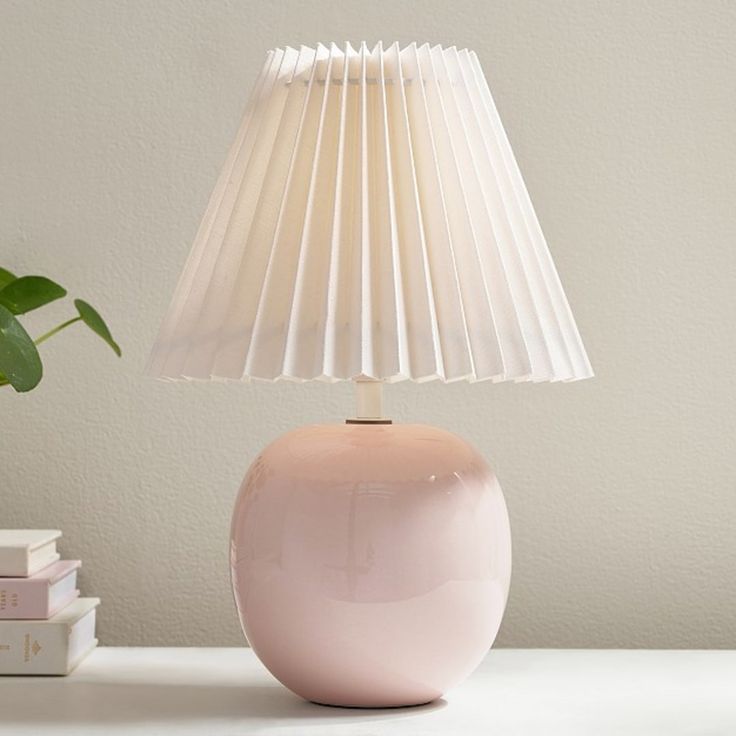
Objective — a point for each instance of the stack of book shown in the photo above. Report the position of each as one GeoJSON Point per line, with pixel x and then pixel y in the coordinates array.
{"type": "Point", "coordinates": [45, 627]}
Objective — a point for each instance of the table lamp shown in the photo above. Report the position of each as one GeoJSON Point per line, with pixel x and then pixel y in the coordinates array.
{"type": "Point", "coordinates": [370, 225]}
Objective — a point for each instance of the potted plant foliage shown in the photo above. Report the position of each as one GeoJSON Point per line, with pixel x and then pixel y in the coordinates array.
{"type": "Point", "coordinates": [20, 362]}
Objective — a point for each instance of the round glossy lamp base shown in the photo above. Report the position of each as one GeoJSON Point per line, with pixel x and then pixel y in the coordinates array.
{"type": "Point", "coordinates": [370, 563]}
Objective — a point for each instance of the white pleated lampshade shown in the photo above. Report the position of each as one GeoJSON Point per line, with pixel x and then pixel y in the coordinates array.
{"type": "Point", "coordinates": [370, 222]}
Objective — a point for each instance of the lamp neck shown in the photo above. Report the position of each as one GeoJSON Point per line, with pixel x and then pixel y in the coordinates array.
{"type": "Point", "coordinates": [368, 403]}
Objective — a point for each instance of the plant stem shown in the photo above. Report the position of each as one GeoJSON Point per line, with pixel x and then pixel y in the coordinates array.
{"type": "Point", "coordinates": [59, 328]}
{"type": "Point", "coordinates": [4, 381]}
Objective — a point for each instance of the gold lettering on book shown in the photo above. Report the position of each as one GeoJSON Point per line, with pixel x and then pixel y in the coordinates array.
{"type": "Point", "coordinates": [30, 648]}
{"type": "Point", "coordinates": [8, 600]}
{"type": "Point", "coordinates": [4, 647]}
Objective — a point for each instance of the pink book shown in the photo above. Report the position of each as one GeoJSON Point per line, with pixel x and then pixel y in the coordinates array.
{"type": "Point", "coordinates": [40, 595]}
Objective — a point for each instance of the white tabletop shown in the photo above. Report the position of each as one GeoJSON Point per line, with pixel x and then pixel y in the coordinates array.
{"type": "Point", "coordinates": [210, 692]}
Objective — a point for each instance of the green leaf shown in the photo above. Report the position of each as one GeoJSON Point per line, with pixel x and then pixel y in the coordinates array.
{"type": "Point", "coordinates": [6, 277]}
{"type": "Point", "coordinates": [29, 292]}
{"type": "Point", "coordinates": [20, 362]}
{"type": "Point", "coordinates": [92, 319]}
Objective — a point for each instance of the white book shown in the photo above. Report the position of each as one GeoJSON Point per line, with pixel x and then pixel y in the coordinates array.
{"type": "Point", "coordinates": [24, 552]}
{"type": "Point", "coordinates": [51, 647]}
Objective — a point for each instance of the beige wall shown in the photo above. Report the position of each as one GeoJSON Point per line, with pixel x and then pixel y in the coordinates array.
{"type": "Point", "coordinates": [114, 119]}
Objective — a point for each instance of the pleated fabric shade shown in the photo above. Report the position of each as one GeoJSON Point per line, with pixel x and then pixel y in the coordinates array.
{"type": "Point", "coordinates": [370, 222]}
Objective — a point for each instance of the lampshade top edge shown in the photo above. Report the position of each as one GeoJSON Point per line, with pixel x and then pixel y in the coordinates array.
{"type": "Point", "coordinates": [341, 47]}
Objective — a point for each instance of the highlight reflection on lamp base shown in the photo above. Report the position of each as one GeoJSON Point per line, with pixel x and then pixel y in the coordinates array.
{"type": "Point", "coordinates": [370, 563]}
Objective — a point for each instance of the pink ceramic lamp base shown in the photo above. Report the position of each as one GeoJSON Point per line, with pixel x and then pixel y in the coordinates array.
{"type": "Point", "coordinates": [370, 563]}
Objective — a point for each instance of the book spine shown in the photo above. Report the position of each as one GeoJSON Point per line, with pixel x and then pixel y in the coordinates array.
{"type": "Point", "coordinates": [33, 648]}
{"type": "Point", "coordinates": [24, 598]}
